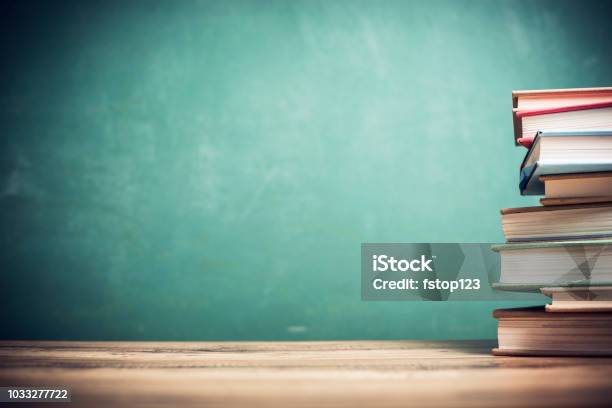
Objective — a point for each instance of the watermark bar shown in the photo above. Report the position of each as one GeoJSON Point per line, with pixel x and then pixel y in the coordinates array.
{"type": "Point", "coordinates": [435, 272]}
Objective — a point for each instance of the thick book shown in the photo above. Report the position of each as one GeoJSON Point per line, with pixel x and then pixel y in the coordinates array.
{"type": "Point", "coordinates": [579, 299]}
{"type": "Point", "coordinates": [555, 263]}
{"type": "Point", "coordinates": [564, 152]}
{"type": "Point", "coordinates": [535, 332]}
{"type": "Point", "coordinates": [581, 117]}
{"type": "Point", "coordinates": [577, 188]}
{"type": "Point", "coordinates": [560, 222]}
{"type": "Point", "coordinates": [550, 99]}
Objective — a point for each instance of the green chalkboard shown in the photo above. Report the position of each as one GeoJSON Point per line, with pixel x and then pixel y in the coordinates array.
{"type": "Point", "coordinates": [208, 170]}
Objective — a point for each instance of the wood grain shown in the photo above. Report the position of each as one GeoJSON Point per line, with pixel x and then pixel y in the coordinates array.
{"type": "Point", "coordinates": [324, 374]}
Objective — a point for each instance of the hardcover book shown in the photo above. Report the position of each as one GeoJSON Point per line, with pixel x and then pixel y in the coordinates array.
{"type": "Point", "coordinates": [553, 99]}
{"type": "Point", "coordinates": [564, 152]}
{"type": "Point", "coordinates": [559, 222]}
{"type": "Point", "coordinates": [558, 263]}
{"type": "Point", "coordinates": [577, 188]}
{"type": "Point", "coordinates": [579, 299]}
{"type": "Point", "coordinates": [582, 117]}
{"type": "Point", "coordinates": [535, 332]}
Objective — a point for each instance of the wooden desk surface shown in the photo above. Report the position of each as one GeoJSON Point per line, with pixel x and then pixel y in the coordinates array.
{"type": "Point", "coordinates": [322, 374]}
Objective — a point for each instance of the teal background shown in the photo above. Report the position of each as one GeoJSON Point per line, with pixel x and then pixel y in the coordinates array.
{"type": "Point", "coordinates": [208, 170]}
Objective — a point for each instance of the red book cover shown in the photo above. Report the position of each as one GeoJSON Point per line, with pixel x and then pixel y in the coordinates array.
{"type": "Point", "coordinates": [526, 141]}
{"type": "Point", "coordinates": [518, 115]}
{"type": "Point", "coordinates": [536, 112]}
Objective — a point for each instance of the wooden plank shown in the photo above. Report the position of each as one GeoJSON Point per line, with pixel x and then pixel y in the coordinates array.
{"type": "Point", "coordinates": [351, 374]}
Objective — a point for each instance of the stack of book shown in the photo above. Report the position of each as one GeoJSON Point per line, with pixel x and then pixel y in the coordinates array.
{"type": "Point", "coordinates": [562, 248]}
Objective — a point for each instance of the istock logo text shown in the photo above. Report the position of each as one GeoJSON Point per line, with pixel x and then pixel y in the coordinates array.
{"type": "Point", "coordinates": [382, 263]}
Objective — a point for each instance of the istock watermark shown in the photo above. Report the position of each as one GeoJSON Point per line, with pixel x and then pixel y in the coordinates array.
{"type": "Point", "coordinates": [435, 272]}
